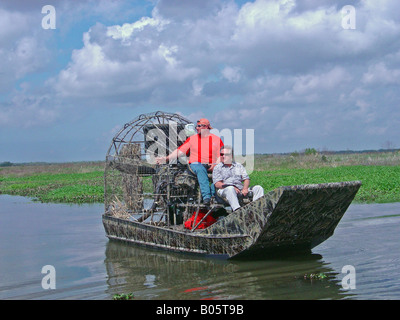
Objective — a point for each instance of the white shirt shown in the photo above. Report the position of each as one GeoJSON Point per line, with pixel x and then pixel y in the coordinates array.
{"type": "Point", "coordinates": [230, 175]}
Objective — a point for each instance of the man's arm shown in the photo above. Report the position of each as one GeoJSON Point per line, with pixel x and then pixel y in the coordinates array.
{"type": "Point", "coordinates": [179, 152]}
{"type": "Point", "coordinates": [219, 184]}
{"type": "Point", "coordinates": [245, 189]}
{"type": "Point", "coordinates": [173, 155]}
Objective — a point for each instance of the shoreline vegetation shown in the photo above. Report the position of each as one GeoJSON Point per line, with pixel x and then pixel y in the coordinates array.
{"type": "Point", "coordinates": [83, 182]}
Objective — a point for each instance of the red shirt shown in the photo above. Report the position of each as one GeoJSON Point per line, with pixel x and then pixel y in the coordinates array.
{"type": "Point", "coordinates": [202, 149]}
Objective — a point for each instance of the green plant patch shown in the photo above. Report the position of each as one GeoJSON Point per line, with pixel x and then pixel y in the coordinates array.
{"type": "Point", "coordinates": [379, 183]}
{"type": "Point", "coordinates": [75, 193]}
{"type": "Point", "coordinates": [123, 296]}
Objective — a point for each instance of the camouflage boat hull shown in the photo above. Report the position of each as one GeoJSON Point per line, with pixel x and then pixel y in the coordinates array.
{"type": "Point", "coordinates": [287, 218]}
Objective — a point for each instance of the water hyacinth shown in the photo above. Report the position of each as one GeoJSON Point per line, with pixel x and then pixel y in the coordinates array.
{"type": "Point", "coordinates": [84, 182]}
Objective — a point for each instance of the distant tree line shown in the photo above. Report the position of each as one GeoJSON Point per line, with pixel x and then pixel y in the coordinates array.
{"type": "Point", "coordinates": [6, 164]}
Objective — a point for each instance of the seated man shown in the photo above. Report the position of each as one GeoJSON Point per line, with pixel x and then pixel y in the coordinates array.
{"type": "Point", "coordinates": [231, 179]}
{"type": "Point", "coordinates": [204, 155]}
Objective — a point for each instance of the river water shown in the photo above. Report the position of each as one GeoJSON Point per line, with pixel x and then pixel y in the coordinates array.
{"type": "Point", "coordinates": [360, 261]}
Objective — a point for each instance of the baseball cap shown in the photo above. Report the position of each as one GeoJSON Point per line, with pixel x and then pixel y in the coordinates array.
{"type": "Point", "coordinates": [205, 122]}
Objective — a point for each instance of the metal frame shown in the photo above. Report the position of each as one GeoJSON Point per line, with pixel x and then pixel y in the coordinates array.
{"type": "Point", "coordinates": [147, 192]}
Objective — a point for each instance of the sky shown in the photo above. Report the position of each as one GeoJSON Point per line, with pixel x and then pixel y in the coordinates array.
{"type": "Point", "coordinates": [320, 74]}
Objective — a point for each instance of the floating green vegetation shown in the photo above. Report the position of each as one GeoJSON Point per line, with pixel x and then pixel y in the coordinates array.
{"type": "Point", "coordinates": [380, 184]}
{"type": "Point", "coordinates": [84, 182]}
{"type": "Point", "coordinates": [123, 296]}
{"type": "Point", "coordinates": [56, 187]}
{"type": "Point", "coordinates": [315, 276]}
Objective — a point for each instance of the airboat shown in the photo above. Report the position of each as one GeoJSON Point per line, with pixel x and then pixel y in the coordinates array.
{"type": "Point", "coordinates": [159, 205]}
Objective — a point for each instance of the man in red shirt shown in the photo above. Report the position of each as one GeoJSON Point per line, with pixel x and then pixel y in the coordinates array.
{"type": "Point", "coordinates": [203, 150]}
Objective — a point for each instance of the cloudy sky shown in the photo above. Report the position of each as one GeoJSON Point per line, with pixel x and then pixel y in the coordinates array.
{"type": "Point", "coordinates": [301, 73]}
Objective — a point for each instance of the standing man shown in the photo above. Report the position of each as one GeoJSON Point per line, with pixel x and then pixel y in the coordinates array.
{"type": "Point", "coordinates": [203, 150]}
{"type": "Point", "coordinates": [230, 179]}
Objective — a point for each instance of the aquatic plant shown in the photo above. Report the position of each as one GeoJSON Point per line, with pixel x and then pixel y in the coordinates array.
{"type": "Point", "coordinates": [123, 296]}
{"type": "Point", "coordinates": [315, 276]}
{"type": "Point", "coordinates": [84, 182]}
{"type": "Point", "coordinates": [379, 183]}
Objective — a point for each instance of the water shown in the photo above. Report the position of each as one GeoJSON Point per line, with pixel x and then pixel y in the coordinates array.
{"type": "Point", "coordinates": [89, 266]}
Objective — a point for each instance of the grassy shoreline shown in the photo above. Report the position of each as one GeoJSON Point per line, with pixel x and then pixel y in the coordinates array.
{"type": "Point", "coordinates": [57, 183]}
{"type": "Point", "coordinates": [83, 182]}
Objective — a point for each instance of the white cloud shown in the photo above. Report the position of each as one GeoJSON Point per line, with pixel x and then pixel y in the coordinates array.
{"type": "Point", "coordinates": [123, 61]}
{"type": "Point", "coordinates": [26, 111]}
{"type": "Point", "coordinates": [22, 51]}
{"type": "Point", "coordinates": [232, 74]}
{"type": "Point", "coordinates": [379, 74]}
{"type": "Point", "coordinates": [316, 85]}
{"type": "Point", "coordinates": [126, 31]}
{"type": "Point", "coordinates": [12, 25]}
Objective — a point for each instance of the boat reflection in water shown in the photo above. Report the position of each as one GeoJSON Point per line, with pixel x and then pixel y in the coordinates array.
{"type": "Point", "coordinates": [157, 274]}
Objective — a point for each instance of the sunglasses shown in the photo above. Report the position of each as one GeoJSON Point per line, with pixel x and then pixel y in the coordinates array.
{"type": "Point", "coordinates": [225, 154]}
{"type": "Point", "coordinates": [202, 125]}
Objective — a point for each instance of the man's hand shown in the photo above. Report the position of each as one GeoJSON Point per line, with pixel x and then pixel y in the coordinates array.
{"type": "Point", "coordinates": [245, 191]}
{"type": "Point", "coordinates": [161, 160]}
{"type": "Point", "coordinates": [237, 189]}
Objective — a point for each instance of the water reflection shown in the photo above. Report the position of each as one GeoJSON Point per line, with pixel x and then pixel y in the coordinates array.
{"type": "Point", "coordinates": [155, 274]}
